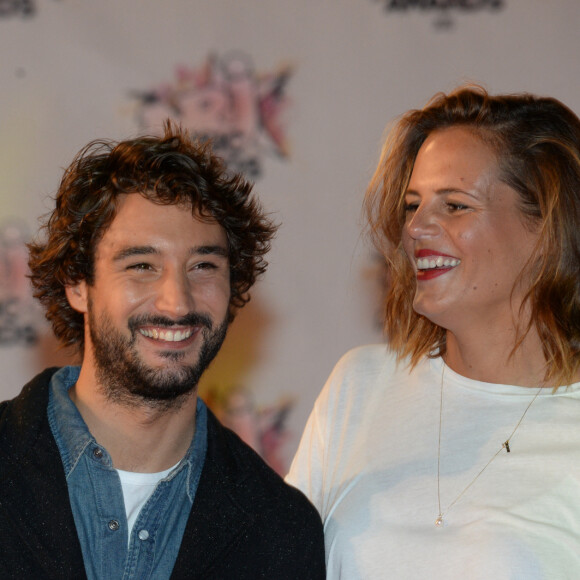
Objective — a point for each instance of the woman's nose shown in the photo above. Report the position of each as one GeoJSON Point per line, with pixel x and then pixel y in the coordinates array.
{"type": "Point", "coordinates": [423, 223]}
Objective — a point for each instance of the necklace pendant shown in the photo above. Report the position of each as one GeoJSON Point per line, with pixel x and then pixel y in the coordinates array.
{"type": "Point", "coordinates": [439, 521]}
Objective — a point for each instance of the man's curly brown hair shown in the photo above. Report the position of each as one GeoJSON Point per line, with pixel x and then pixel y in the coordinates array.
{"type": "Point", "coordinates": [173, 169]}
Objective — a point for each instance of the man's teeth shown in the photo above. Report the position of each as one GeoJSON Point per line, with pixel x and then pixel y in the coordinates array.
{"type": "Point", "coordinates": [436, 262]}
{"type": "Point", "coordinates": [167, 335]}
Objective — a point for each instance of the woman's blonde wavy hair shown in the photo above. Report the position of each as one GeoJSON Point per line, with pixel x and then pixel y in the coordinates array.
{"type": "Point", "coordinates": [537, 144]}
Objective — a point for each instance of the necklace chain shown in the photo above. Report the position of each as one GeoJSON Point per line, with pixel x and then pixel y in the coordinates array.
{"type": "Point", "coordinates": [439, 522]}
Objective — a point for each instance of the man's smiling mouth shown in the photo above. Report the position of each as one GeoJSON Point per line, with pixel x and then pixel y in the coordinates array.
{"type": "Point", "coordinates": [167, 334]}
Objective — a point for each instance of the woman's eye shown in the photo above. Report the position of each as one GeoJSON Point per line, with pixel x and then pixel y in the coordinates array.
{"type": "Point", "coordinates": [411, 207]}
{"type": "Point", "coordinates": [456, 206]}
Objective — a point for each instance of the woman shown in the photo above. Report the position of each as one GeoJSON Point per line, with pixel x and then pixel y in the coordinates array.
{"type": "Point", "coordinates": [455, 453]}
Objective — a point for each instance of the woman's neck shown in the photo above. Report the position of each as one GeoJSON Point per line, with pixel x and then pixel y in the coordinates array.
{"type": "Point", "coordinates": [491, 358]}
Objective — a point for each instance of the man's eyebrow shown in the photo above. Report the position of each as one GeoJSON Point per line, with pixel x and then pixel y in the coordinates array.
{"type": "Point", "coordinates": [132, 251]}
{"type": "Point", "coordinates": [208, 250]}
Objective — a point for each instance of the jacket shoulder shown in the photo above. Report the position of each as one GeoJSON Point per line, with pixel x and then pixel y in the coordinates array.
{"type": "Point", "coordinates": [244, 469]}
{"type": "Point", "coordinates": [21, 418]}
{"type": "Point", "coordinates": [247, 520]}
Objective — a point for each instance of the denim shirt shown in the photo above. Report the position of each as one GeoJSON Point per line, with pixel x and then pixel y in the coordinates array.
{"type": "Point", "coordinates": [97, 501]}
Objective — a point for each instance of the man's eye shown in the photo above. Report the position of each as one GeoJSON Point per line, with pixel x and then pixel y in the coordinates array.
{"type": "Point", "coordinates": [205, 266]}
{"type": "Point", "coordinates": [141, 267]}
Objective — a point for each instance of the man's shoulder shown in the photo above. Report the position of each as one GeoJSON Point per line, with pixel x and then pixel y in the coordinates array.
{"type": "Point", "coordinates": [21, 416]}
{"type": "Point", "coordinates": [237, 460]}
{"type": "Point", "coordinates": [246, 474]}
{"type": "Point", "coordinates": [244, 511]}
{"type": "Point", "coordinates": [39, 381]}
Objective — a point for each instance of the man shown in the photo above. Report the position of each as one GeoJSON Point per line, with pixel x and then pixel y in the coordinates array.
{"type": "Point", "coordinates": [116, 469]}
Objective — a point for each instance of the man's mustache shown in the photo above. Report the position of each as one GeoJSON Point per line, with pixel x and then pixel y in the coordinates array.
{"type": "Point", "coordinates": [190, 319]}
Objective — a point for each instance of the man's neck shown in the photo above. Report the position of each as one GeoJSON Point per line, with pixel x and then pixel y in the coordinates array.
{"type": "Point", "coordinates": [139, 437]}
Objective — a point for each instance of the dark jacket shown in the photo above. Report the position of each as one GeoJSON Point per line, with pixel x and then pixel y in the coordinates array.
{"type": "Point", "coordinates": [245, 521]}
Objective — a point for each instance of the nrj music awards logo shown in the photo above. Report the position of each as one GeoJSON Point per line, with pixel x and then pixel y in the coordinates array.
{"type": "Point", "coordinates": [226, 101]}
{"type": "Point", "coordinates": [19, 314]}
{"type": "Point", "coordinates": [441, 9]}
{"type": "Point", "coordinates": [10, 8]}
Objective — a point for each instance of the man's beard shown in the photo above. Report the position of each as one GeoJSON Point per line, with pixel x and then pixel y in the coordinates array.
{"type": "Point", "coordinates": [124, 376]}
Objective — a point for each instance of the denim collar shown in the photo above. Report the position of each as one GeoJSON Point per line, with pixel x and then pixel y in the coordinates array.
{"type": "Point", "coordinates": [73, 436]}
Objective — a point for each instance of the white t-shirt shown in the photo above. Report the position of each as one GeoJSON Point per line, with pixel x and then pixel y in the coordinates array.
{"type": "Point", "coordinates": [368, 462]}
{"type": "Point", "coordinates": [137, 489]}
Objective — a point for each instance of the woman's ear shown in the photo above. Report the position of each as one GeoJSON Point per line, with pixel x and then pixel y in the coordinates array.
{"type": "Point", "coordinates": [77, 296]}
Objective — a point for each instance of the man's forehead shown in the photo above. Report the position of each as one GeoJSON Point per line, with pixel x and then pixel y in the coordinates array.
{"type": "Point", "coordinates": [139, 219]}
{"type": "Point", "coordinates": [150, 199]}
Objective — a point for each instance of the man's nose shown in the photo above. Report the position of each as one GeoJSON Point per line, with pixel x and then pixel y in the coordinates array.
{"type": "Point", "coordinates": [175, 294]}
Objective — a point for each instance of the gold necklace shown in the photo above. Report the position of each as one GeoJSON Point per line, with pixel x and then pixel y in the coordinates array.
{"type": "Point", "coordinates": [440, 522]}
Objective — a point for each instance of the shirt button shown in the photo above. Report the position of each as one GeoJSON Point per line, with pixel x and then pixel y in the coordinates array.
{"type": "Point", "coordinates": [143, 535]}
{"type": "Point", "coordinates": [98, 453]}
{"type": "Point", "coordinates": [113, 525]}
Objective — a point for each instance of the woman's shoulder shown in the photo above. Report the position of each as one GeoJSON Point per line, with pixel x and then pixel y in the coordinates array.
{"type": "Point", "coordinates": [369, 359]}
{"type": "Point", "coordinates": [364, 368]}
{"type": "Point", "coordinates": [365, 381]}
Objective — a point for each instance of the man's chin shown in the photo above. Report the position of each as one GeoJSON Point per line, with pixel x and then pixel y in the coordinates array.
{"type": "Point", "coordinates": [168, 372]}
{"type": "Point", "coordinates": [164, 383]}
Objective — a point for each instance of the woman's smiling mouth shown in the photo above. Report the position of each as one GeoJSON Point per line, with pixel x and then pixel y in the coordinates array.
{"type": "Point", "coordinates": [431, 264]}
{"type": "Point", "coordinates": [436, 262]}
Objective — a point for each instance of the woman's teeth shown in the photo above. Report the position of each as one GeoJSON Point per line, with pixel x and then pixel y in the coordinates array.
{"type": "Point", "coordinates": [436, 262]}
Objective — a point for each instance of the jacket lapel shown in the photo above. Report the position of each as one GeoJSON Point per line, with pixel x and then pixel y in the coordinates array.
{"type": "Point", "coordinates": [218, 517]}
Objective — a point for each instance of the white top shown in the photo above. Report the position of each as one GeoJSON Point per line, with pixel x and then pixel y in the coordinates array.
{"type": "Point", "coordinates": [368, 462]}
{"type": "Point", "coordinates": [137, 489]}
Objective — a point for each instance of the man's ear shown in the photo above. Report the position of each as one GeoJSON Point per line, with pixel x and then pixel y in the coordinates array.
{"type": "Point", "coordinates": [77, 296]}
